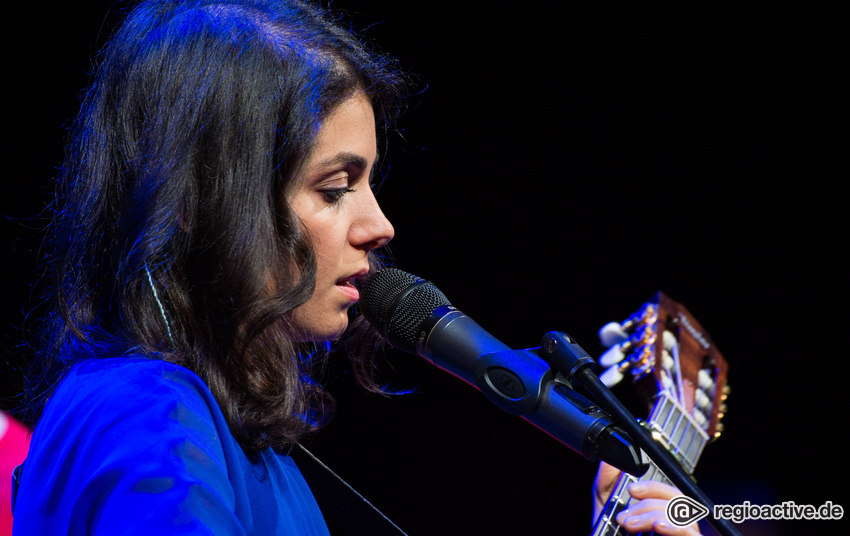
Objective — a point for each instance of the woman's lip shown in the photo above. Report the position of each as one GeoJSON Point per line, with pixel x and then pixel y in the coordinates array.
{"type": "Point", "coordinates": [350, 291]}
{"type": "Point", "coordinates": [348, 285]}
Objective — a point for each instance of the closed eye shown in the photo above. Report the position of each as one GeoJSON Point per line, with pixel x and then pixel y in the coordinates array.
{"type": "Point", "coordinates": [334, 196]}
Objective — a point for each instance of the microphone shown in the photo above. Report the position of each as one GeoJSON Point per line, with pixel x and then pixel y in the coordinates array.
{"type": "Point", "coordinates": [416, 317]}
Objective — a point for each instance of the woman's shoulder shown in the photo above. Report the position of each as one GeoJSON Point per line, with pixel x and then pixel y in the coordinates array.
{"type": "Point", "coordinates": [130, 380]}
{"type": "Point", "coordinates": [120, 372]}
{"type": "Point", "coordinates": [138, 435]}
{"type": "Point", "coordinates": [130, 397]}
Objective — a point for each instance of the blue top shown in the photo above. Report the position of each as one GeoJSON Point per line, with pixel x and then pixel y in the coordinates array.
{"type": "Point", "coordinates": [139, 446]}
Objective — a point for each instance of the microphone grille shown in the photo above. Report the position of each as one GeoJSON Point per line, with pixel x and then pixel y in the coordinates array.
{"type": "Point", "coordinates": [396, 303]}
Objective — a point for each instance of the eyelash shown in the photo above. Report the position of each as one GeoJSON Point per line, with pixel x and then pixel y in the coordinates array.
{"type": "Point", "coordinates": [335, 196]}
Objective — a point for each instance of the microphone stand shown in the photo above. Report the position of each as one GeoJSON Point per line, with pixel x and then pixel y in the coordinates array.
{"type": "Point", "coordinates": [574, 363]}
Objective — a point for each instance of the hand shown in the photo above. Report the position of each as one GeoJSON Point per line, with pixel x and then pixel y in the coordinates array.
{"type": "Point", "coordinates": [649, 513]}
{"type": "Point", "coordinates": [606, 479]}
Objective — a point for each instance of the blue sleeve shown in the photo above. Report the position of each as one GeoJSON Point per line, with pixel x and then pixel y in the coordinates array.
{"type": "Point", "coordinates": [125, 447]}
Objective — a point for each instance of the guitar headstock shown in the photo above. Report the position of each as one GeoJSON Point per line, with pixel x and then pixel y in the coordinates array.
{"type": "Point", "coordinates": [663, 348]}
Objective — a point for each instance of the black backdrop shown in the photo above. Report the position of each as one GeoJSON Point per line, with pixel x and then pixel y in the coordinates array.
{"type": "Point", "coordinates": [561, 166]}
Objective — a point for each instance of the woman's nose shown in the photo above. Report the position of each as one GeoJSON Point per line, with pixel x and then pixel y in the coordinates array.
{"type": "Point", "coordinates": [372, 229]}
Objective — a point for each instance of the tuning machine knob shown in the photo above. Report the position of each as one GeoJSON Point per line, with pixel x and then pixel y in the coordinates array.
{"type": "Point", "coordinates": [618, 352]}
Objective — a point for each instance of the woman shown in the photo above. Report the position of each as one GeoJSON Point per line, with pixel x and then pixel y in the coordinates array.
{"type": "Point", "coordinates": [211, 221]}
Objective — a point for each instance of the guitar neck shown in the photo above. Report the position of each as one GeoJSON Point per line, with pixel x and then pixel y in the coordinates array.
{"type": "Point", "coordinates": [671, 425]}
{"type": "Point", "coordinates": [679, 373]}
{"type": "Point", "coordinates": [680, 433]}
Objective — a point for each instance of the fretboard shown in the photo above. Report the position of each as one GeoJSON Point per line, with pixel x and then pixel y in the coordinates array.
{"type": "Point", "coordinates": [671, 425]}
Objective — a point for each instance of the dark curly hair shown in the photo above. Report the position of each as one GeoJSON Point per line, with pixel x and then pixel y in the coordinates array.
{"type": "Point", "coordinates": [170, 213]}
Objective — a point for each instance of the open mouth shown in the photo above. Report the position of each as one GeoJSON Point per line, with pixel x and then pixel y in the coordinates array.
{"type": "Point", "coordinates": [355, 281]}
{"type": "Point", "coordinates": [349, 289]}
{"type": "Point", "coordinates": [351, 285]}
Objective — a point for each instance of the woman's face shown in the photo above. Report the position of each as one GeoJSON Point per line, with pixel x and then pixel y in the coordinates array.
{"type": "Point", "coordinates": [332, 197]}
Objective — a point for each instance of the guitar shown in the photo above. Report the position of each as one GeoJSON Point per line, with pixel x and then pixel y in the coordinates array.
{"type": "Point", "coordinates": [679, 373]}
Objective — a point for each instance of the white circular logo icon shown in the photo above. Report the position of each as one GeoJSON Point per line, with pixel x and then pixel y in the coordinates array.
{"type": "Point", "coordinates": [682, 511]}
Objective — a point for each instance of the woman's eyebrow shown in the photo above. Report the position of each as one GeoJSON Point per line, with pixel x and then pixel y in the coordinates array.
{"type": "Point", "coordinates": [347, 159]}
{"type": "Point", "coordinates": [350, 159]}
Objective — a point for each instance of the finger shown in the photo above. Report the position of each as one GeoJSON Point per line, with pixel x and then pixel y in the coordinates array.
{"type": "Point", "coordinates": [654, 490]}
{"type": "Point", "coordinates": [646, 506]}
{"type": "Point", "coordinates": [655, 521]}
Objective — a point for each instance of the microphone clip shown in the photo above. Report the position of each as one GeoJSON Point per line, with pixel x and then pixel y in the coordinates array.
{"type": "Point", "coordinates": [523, 383]}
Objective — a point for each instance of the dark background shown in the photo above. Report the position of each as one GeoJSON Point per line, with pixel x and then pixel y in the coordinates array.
{"type": "Point", "coordinates": [560, 166]}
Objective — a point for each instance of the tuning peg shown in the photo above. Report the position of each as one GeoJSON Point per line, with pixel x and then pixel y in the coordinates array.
{"type": "Point", "coordinates": [616, 332]}
{"type": "Point", "coordinates": [701, 399]}
{"type": "Point", "coordinates": [611, 334]}
{"type": "Point", "coordinates": [670, 340]}
{"type": "Point", "coordinates": [611, 377]}
{"type": "Point", "coordinates": [667, 361]}
{"type": "Point", "coordinates": [705, 382]}
{"type": "Point", "coordinates": [612, 356]}
{"type": "Point", "coordinates": [666, 382]}
{"type": "Point", "coordinates": [615, 354]}
{"type": "Point", "coordinates": [648, 314]}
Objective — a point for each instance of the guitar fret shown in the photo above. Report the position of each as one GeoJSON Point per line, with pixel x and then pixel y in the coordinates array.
{"type": "Point", "coordinates": [686, 443]}
{"type": "Point", "coordinates": [610, 524]}
{"type": "Point", "coordinates": [694, 445]}
{"type": "Point", "coordinates": [670, 414]}
{"type": "Point", "coordinates": [667, 407]}
{"type": "Point", "coordinates": [678, 432]}
{"type": "Point", "coordinates": [616, 503]}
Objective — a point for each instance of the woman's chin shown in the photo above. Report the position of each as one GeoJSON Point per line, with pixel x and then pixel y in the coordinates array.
{"type": "Point", "coordinates": [323, 332]}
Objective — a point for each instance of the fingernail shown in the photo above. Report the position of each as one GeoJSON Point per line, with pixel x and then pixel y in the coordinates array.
{"type": "Point", "coordinates": [636, 487]}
